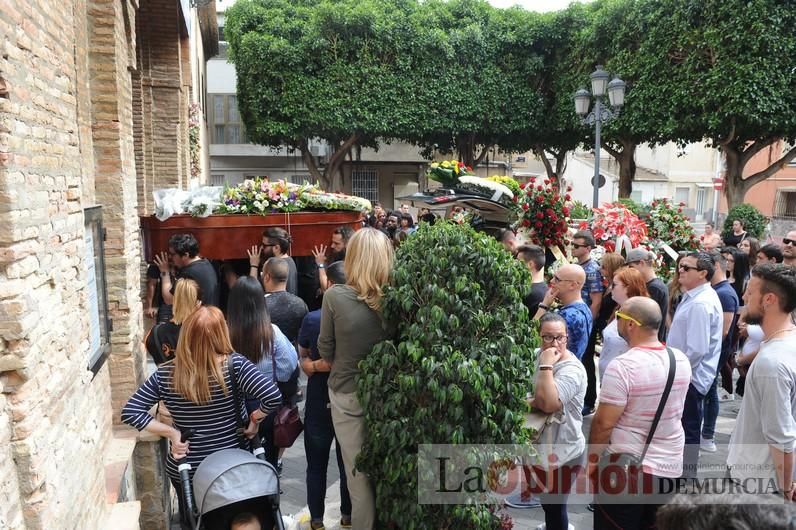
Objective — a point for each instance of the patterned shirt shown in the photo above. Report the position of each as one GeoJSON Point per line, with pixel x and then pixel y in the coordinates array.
{"type": "Point", "coordinates": [214, 424]}
{"type": "Point", "coordinates": [579, 322]}
{"type": "Point", "coordinates": [594, 281]}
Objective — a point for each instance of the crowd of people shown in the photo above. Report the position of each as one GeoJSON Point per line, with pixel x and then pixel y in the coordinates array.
{"type": "Point", "coordinates": [728, 306]}
{"type": "Point", "coordinates": [617, 342]}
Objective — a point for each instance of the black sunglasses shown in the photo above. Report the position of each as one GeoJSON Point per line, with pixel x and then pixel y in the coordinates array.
{"type": "Point", "coordinates": [786, 241]}
{"type": "Point", "coordinates": [575, 245]}
{"type": "Point", "coordinates": [687, 268]}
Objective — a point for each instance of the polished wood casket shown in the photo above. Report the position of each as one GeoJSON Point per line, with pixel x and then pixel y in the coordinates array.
{"type": "Point", "coordinates": [229, 236]}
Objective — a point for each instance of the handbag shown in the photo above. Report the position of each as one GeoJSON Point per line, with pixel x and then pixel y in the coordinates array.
{"type": "Point", "coordinates": [287, 422]}
{"type": "Point", "coordinates": [540, 422]}
{"type": "Point", "coordinates": [628, 462]}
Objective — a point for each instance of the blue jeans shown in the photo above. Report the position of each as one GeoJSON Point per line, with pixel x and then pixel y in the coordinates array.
{"type": "Point", "coordinates": [711, 410]}
{"type": "Point", "coordinates": [692, 425]}
{"type": "Point", "coordinates": [318, 437]}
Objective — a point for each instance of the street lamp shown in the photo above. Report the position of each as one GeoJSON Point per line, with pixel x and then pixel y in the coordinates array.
{"type": "Point", "coordinates": [616, 98]}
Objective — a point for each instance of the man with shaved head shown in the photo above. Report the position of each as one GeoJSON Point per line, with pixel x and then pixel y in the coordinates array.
{"type": "Point", "coordinates": [566, 286]}
{"type": "Point", "coordinates": [632, 388]}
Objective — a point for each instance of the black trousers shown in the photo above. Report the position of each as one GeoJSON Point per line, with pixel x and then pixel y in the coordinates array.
{"type": "Point", "coordinates": [591, 371]}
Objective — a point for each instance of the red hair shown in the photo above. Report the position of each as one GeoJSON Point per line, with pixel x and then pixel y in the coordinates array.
{"type": "Point", "coordinates": [633, 281]}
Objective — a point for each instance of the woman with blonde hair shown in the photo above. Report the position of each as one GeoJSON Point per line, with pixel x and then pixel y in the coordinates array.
{"type": "Point", "coordinates": [196, 388]}
{"type": "Point", "coordinates": [161, 341]}
{"type": "Point", "coordinates": [351, 325]}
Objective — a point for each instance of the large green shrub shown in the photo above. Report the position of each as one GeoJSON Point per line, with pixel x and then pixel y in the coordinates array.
{"type": "Point", "coordinates": [754, 221]}
{"type": "Point", "coordinates": [457, 370]}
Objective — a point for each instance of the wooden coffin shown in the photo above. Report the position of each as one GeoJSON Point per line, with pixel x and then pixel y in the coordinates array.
{"type": "Point", "coordinates": [229, 236]}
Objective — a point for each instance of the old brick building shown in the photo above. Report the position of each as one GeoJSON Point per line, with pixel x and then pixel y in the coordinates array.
{"type": "Point", "coordinates": [94, 98]}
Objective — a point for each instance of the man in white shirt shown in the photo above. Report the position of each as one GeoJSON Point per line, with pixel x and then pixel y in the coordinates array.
{"type": "Point", "coordinates": [696, 331]}
{"type": "Point", "coordinates": [763, 442]}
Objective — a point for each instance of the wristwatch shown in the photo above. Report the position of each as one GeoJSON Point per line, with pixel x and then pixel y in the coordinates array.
{"type": "Point", "coordinates": [321, 266]}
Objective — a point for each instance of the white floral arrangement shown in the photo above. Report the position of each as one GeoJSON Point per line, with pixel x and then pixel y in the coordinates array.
{"type": "Point", "coordinates": [497, 189]}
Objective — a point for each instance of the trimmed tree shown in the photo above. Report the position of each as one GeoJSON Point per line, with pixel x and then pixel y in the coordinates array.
{"type": "Point", "coordinates": [730, 78]}
{"type": "Point", "coordinates": [456, 372]}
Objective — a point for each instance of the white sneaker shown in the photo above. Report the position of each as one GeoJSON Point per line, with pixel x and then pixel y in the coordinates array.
{"type": "Point", "coordinates": [709, 446]}
{"type": "Point", "coordinates": [543, 526]}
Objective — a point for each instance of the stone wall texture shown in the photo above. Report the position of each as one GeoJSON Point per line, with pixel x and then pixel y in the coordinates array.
{"type": "Point", "coordinates": [81, 124]}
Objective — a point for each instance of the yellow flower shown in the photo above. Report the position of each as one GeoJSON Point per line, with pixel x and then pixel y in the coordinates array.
{"type": "Point", "coordinates": [446, 164]}
{"type": "Point", "coordinates": [434, 165]}
{"type": "Point", "coordinates": [456, 169]}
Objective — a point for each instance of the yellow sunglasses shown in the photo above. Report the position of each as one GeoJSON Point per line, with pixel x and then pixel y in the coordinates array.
{"type": "Point", "coordinates": [625, 316]}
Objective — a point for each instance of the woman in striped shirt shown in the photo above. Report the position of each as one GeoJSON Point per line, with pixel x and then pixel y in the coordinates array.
{"type": "Point", "coordinates": [196, 388]}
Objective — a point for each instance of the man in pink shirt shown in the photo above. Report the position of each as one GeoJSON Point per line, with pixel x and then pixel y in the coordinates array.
{"type": "Point", "coordinates": [630, 395]}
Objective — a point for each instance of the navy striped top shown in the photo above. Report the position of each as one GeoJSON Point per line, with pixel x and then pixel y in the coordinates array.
{"type": "Point", "coordinates": [214, 424]}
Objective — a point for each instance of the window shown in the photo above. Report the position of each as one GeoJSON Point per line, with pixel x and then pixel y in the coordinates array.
{"type": "Point", "coordinates": [637, 195]}
{"type": "Point", "coordinates": [785, 205]}
{"type": "Point", "coordinates": [221, 34]}
{"type": "Point", "coordinates": [96, 289]}
{"type": "Point", "coordinates": [300, 179]}
{"type": "Point", "coordinates": [365, 184]}
{"type": "Point", "coordinates": [681, 195]}
{"type": "Point", "coordinates": [217, 180]}
{"type": "Point", "coordinates": [226, 125]}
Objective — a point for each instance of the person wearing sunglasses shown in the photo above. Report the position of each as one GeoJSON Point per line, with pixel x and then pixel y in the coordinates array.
{"type": "Point", "coordinates": [696, 331]}
{"type": "Point", "coordinates": [565, 287]}
{"type": "Point", "coordinates": [631, 392]}
{"type": "Point", "coordinates": [789, 249]}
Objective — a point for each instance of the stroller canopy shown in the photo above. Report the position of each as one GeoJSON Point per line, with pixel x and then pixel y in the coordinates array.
{"type": "Point", "coordinates": [230, 476]}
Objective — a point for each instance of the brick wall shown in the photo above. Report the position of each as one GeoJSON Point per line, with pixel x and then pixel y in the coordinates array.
{"type": "Point", "coordinates": [162, 85]}
{"type": "Point", "coordinates": [78, 116]}
{"type": "Point", "coordinates": [54, 416]}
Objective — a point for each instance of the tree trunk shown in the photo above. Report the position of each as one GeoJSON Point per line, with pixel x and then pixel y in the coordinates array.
{"type": "Point", "coordinates": [539, 151]}
{"type": "Point", "coordinates": [333, 172]}
{"type": "Point", "coordinates": [735, 185]}
{"type": "Point", "coordinates": [311, 164]}
{"type": "Point", "coordinates": [627, 170]}
{"type": "Point", "coordinates": [626, 157]}
{"type": "Point", "coordinates": [465, 145]}
{"type": "Point", "coordinates": [561, 165]}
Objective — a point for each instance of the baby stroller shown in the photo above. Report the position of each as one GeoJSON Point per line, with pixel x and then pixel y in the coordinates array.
{"type": "Point", "coordinates": [230, 482]}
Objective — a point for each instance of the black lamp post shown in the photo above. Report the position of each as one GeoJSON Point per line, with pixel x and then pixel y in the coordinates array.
{"type": "Point", "coordinates": [600, 113]}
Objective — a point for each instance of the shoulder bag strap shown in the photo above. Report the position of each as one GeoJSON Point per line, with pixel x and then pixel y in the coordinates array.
{"type": "Point", "coordinates": [233, 380]}
{"type": "Point", "coordinates": [273, 358]}
{"type": "Point", "coordinates": [662, 404]}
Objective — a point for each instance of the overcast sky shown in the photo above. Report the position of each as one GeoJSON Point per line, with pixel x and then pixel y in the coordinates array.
{"type": "Point", "coordinates": [535, 5]}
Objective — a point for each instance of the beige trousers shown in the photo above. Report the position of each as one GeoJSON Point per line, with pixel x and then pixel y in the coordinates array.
{"type": "Point", "coordinates": [349, 429]}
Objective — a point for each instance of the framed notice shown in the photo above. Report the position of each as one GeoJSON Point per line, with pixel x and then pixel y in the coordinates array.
{"type": "Point", "coordinates": [96, 289]}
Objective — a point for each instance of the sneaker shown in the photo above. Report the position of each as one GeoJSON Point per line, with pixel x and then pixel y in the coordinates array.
{"type": "Point", "coordinates": [345, 521]}
{"type": "Point", "coordinates": [587, 411]}
{"type": "Point", "coordinates": [520, 503]}
{"type": "Point", "coordinates": [707, 445]}
{"type": "Point", "coordinates": [317, 525]}
{"type": "Point", "coordinates": [543, 526]}
{"type": "Point", "coordinates": [590, 506]}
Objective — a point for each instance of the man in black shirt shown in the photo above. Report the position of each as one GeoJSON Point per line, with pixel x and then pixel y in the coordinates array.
{"type": "Point", "coordinates": [275, 244]}
{"type": "Point", "coordinates": [286, 310]}
{"type": "Point", "coordinates": [534, 258]}
{"type": "Point", "coordinates": [644, 261]}
{"type": "Point", "coordinates": [184, 254]}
